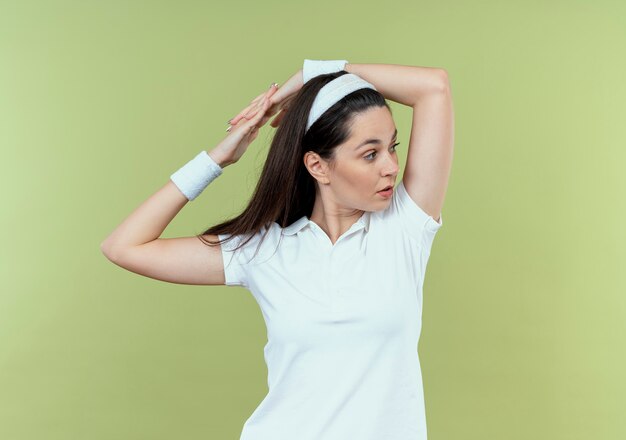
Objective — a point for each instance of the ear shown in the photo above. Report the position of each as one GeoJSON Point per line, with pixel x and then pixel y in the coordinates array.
{"type": "Point", "coordinates": [318, 167]}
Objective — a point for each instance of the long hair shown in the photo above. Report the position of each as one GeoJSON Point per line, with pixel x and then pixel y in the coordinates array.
{"type": "Point", "coordinates": [286, 190]}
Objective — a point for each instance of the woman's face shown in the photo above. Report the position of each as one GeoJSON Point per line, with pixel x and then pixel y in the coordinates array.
{"type": "Point", "coordinates": [366, 163]}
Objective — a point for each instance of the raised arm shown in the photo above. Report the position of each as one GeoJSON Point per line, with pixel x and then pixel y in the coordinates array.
{"type": "Point", "coordinates": [431, 145]}
{"type": "Point", "coordinates": [135, 244]}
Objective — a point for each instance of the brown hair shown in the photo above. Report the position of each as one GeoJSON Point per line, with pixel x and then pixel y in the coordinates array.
{"type": "Point", "coordinates": [286, 190]}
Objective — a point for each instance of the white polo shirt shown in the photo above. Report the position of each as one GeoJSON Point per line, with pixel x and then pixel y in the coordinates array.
{"type": "Point", "coordinates": [343, 324]}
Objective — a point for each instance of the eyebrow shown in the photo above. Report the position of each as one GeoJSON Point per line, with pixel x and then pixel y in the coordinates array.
{"type": "Point", "coordinates": [374, 141]}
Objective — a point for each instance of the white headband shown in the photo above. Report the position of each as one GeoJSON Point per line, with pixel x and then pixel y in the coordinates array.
{"type": "Point", "coordinates": [333, 92]}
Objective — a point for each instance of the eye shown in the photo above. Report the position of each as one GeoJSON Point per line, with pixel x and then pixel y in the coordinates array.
{"type": "Point", "coordinates": [374, 152]}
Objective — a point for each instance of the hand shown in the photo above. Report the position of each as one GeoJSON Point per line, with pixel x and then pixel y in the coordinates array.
{"type": "Point", "coordinates": [244, 131]}
{"type": "Point", "coordinates": [279, 102]}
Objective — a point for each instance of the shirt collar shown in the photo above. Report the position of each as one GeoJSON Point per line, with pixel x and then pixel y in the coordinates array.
{"type": "Point", "coordinates": [295, 227]}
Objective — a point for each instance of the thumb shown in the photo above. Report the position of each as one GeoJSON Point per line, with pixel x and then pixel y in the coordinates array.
{"type": "Point", "coordinates": [278, 119]}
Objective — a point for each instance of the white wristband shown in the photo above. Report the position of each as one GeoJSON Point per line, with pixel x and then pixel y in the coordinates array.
{"type": "Point", "coordinates": [313, 68]}
{"type": "Point", "coordinates": [196, 175]}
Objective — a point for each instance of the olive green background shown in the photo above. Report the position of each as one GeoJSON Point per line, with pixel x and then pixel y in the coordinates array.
{"type": "Point", "coordinates": [525, 296]}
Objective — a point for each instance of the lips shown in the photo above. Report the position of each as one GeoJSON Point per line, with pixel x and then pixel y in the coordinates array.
{"type": "Point", "coordinates": [386, 188]}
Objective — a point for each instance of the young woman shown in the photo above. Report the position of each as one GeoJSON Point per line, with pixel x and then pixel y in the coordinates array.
{"type": "Point", "coordinates": [334, 252]}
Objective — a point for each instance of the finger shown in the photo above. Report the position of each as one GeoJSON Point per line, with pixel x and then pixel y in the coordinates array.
{"type": "Point", "coordinates": [241, 120]}
{"type": "Point", "coordinates": [273, 108]}
{"type": "Point", "coordinates": [260, 97]}
{"type": "Point", "coordinates": [251, 112]}
{"type": "Point", "coordinates": [268, 112]}
{"type": "Point", "coordinates": [253, 103]}
{"type": "Point", "coordinates": [279, 95]}
{"type": "Point", "coordinates": [251, 109]}
{"type": "Point", "coordinates": [267, 95]}
{"type": "Point", "coordinates": [266, 117]}
{"type": "Point", "coordinates": [247, 126]}
{"type": "Point", "coordinates": [241, 114]}
{"type": "Point", "coordinates": [269, 92]}
{"type": "Point", "coordinates": [281, 110]}
{"type": "Point", "coordinates": [254, 121]}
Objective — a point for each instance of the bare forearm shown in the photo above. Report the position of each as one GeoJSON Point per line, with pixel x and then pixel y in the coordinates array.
{"type": "Point", "coordinates": [148, 221]}
{"type": "Point", "coordinates": [402, 84]}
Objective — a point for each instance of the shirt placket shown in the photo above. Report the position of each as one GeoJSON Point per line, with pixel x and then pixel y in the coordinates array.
{"type": "Point", "coordinates": [338, 261]}
{"type": "Point", "coordinates": [333, 290]}
{"type": "Point", "coordinates": [334, 259]}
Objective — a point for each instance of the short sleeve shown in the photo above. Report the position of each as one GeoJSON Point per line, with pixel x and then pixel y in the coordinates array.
{"type": "Point", "coordinates": [415, 221]}
{"type": "Point", "coordinates": [240, 265]}
{"type": "Point", "coordinates": [234, 264]}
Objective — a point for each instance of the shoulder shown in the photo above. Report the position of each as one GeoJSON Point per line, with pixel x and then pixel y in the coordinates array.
{"type": "Point", "coordinates": [405, 216]}
{"type": "Point", "coordinates": [248, 246]}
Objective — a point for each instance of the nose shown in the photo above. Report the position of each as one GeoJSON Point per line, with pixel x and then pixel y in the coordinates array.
{"type": "Point", "coordinates": [390, 165]}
